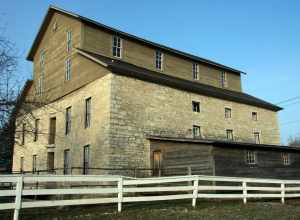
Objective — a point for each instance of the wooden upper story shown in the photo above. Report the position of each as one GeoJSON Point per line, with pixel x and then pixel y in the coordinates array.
{"type": "Point", "coordinates": [59, 69]}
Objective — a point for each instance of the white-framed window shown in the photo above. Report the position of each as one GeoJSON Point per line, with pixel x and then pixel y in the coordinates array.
{"type": "Point", "coordinates": [250, 157]}
{"type": "Point", "coordinates": [86, 159]}
{"type": "Point", "coordinates": [229, 134]}
{"type": "Point", "coordinates": [68, 120]}
{"type": "Point", "coordinates": [117, 47]}
{"type": "Point", "coordinates": [196, 131]}
{"type": "Point", "coordinates": [87, 113]}
{"type": "Point", "coordinates": [227, 112]}
{"type": "Point", "coordinates": [68, 69]}
{"type": "Point", "coordinates": [33, 163]}
{"type": "Point", "coordinates": [159, 60]}
{"type": "Point", "coordinates": [196, 106]}
{"type": "Point", "coordinates": [223, 79]}
{"type": "Point", "coordinates": [285, 159]}
{"type": "Point", "coordinates": [254, 116]}
{"type": "Point", "coordinates": [256, 137]}
{"type": "Point", "coordinates": [69, 41]}
{"type": "Point", "coordinates": [195, 70]}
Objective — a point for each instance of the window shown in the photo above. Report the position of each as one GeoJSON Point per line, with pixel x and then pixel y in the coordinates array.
{"type": "Point", "coordinates": [68, 69]}
{"type": "Point", "coordinates": [229, 134]}
{"type": "Point", "coordinates": [158, 60]}
{"type": "Point", "coordinates": [117, 47]}
{"type": "Point", "coordinates": [257, 137]}
{"type": "Point", "coordinates": [227, 112]}
{"type": "Point", "coordinates": [21, 164]}
{"type": "Point", "coordinates": [69, 41]}
{"type": "Point", "coordinates": [52, 131]}
{"type": "Point", "coordinates": [68, 120]}
{"type": "Point", "coordinates": [196, 131]}
{"type": "Point", "coordinates": [285, 159]}
{"type": "Point", "coordinates": [87, 114]}
{"type": "Point", "coordinates": [223, 79]}
{"type": "Point", "coordinates": [50, 162]}
{"type": "Point", "coordinates": [86, 159]}
{"type": "Point", "coordinates": [42, 59]}
{"type": "Point", "coordinates": [23, 134]}
{"type": "Point", "coordinates": [196, 106]}
{"type": "Point", "coordinates": [40, 85]}
{"type": "Point", "coordinates": [33, 163]}
{"type": "Point", "coordinates": [36, 129]}
{"type": "Point", "coordinates": [67, 161]}
{"type": "Point", "coordinates": [250, 157]}
{"type": "Point", "coordinates": [254, 116]}
{"type": "Point", "coordinates": [195, 71]}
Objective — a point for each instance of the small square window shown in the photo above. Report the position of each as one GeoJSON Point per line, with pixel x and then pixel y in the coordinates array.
{"type": "Point", "coordinates": [227, 112]}
{"type": "Point", "coordinates": [250, 157]}
{"type": "Point", "coordinates": [229, 134]}
{"type": "Point", "coordinates": [196, 106]}
{"type": "Point", "coordinates": [196, 131]}
{"type": "Point", "coordinates": [285, 159]}
{"type": "Point", "coordinates": [254, 116]}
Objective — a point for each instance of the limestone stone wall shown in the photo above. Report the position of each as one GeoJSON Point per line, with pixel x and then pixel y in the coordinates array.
{"type": "Point", "coordinates": [96, 136]}
{"type": "Point", "coordinates": [141, 108]}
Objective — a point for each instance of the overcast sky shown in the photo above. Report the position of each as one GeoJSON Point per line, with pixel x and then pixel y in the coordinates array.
{"type": "Point", "coordinates": [261, 38]}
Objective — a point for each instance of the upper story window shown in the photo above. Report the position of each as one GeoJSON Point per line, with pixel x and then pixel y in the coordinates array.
{"type": "Point", "coordinates": [195, 71]}
{"type": "Point", "coordinates": [42, 59]}
{"type": "Point", "coordinates": [286, 159]}
{"type": "Point", "coordinates": [257, 137]}
{"type": "Point", "coordinates": [117, 47]}
{"type": "Point", "coordinates": [250, 157]}
{"type": "Point", "coordinates": [69, 41]}
{"type": "Point", "coordinates": [229, 134]}
{"type": "Point", "coordinates": [87, 114]}
{"type": "Point", "coordinates": [196, 106]}
{"type": "Point", "coordinates": [39, 86]}
{"type": "Point", "coordinates": [254, 116]}
{"type": "Point", "coordinates": [33, 163]}
{"type": "Point", "coordinates": [36, 129]}
{"type": "Point", "coordinates": [159, 60]}
{"type": "Point", "coordinates": [68, 69]}
{"type": "Point", "coordinates": [227, 112]}
{"type": "Point", "coordinates": [196, 131]}
{"type": "Point", "coordinates": [68, 121]}
{"type": "Point", "coordinates": [223, 79]}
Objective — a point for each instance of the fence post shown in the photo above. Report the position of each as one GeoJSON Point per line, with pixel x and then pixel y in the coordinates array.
{"type": "Point", "coordinates": [244, 192]}
{"type": "Point", "coordinates": [120, 193]}
{"type": "Point", "coordinates": [18, 199]}
{"type": "Point", "coordinates": [195, 191]}
{"type": "Point", "coordinates": [282, 192]}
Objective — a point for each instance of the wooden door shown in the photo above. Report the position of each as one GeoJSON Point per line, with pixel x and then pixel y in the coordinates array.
{"type": "Point", "coordinates": [156, 163]}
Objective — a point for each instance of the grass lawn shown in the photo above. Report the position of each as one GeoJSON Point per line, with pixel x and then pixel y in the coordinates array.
{"type": "Point", "coordinates": [210, 210]}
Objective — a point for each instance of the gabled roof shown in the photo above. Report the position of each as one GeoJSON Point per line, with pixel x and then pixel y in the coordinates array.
{"type": "Point", "coordinates": [121, 67]}
{"type": "Point", "coordinates": [53, 9]}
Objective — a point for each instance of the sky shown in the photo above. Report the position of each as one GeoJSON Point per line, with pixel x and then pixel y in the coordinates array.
{"type": "Point", "coordinates": [258, 37]}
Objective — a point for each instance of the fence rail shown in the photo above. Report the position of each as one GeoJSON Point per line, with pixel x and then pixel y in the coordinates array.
{"type": "Point", "coordinates": [120, 189]}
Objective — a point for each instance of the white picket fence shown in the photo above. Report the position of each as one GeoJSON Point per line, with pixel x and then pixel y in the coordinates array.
{"type": "Point", "coordinates": [119, 189]}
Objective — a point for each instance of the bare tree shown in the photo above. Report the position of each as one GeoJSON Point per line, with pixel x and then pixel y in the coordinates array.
{"type": "Point", "coordinates": [294, 141]}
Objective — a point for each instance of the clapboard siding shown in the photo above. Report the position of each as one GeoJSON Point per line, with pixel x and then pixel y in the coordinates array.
{"type": "Point", "coordinates": [177, 157]}
{"type": "Point", "coordinates": [232, 162]}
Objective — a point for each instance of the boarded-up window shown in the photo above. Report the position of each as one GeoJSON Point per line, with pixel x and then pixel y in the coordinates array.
{"type": "Point", "coordinates": [36, 129]}
{"type": "Point", "coordinates": [67, 162]}
{"type": "Point", "coordinates": [86, 159]}
{"type": "Point", "coordinates": [52, 130]}
{"type": "Point", "coordinates": [33, 163]}
{"type": "Point", "coordinates": [87, 114]}
{"type": "Point", "coordinates": [68, 121]}
{"type": "Point", "coordinates": [50, 162]}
